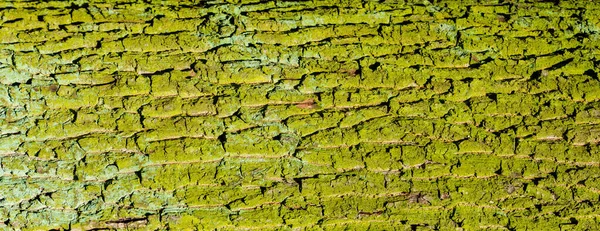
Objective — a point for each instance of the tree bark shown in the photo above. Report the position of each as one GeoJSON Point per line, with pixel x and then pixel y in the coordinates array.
{"type": "Point", "coordinates": [317, 115]}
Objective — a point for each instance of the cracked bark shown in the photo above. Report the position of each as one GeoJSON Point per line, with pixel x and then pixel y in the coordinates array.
{"type": "Point", "coordinates": [300, 115]}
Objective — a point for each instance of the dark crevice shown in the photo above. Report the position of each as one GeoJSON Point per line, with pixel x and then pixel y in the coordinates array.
{"type": "Point", "coordinates": [374, 66]}
{"type": "Point", "coordinates": [592, 73]}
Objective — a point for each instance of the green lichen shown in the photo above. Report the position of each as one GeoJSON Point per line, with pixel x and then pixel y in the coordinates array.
{"type": "Point", "coordinates": [320, 115]}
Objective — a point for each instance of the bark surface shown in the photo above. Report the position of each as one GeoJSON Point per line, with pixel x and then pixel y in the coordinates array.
{"type": "Point", "coordinates": [292, 115]}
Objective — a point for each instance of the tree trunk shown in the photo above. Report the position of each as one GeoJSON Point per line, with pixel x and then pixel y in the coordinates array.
{"type": "Point", "coordinates": [318, 115]}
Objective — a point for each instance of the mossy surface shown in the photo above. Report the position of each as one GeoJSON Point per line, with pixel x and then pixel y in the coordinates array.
{"type": "Point", "coordinates": [300, 115]}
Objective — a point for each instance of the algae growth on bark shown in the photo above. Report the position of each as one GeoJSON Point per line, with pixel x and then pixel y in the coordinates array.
{"type": "Point", "coordinates": [294, 115]}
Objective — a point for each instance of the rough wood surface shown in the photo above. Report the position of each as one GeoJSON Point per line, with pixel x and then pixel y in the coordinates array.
{"type": "Point", "coordinates": [293, 115]}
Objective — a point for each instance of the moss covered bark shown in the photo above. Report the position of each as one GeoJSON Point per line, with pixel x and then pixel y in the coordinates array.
{"type": "Point", "coordinates": [292, 115]}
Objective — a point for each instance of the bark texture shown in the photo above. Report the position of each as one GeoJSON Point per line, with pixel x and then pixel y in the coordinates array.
{"type": "Point", "coordinates": [292, 115]}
